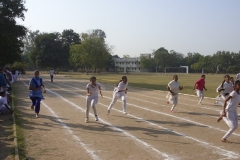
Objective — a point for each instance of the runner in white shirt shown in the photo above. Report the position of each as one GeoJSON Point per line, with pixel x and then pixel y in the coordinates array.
{"type": "Point", "coordinates": [51, 74]}
{"type": "Point", "coordinates": [238, 76]}
{"type": "Point", "coordinates": [120, 92]}
{"type": "Point", "coordinates": [224, 90]}
{"type": "Point", "coordinates": [173, 88]}
{"type": "Point", "coordinates": [92, 97]}
{"type": "Point", "coordinates": [229, 113]}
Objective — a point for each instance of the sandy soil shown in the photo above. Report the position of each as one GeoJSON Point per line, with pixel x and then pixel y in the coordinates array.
{"type": "Point", "coordinates": [149, 130]}
{"type": "Point", "coordinates": [6, 138]}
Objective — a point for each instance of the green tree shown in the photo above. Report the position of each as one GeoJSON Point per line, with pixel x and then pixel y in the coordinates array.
{"type": "Point", "coordinates": [161, 58]}
{"type": "Point", "coordinates": [97, 33]}
{"type": "Point", "coordinates": [29, 43]}
{"type": "Point", "coordinates": [49, 51]}
{"type": "Point", "coordinates": [69, 37]}
{"type": "Point", "coordinates": [92, 53]}
{"type": "Point", "coordinates": [147, 63]}
{"type": "Point", "coordinates": [11, 34]}
{"type": "Point", "coordinates": [20, 66]}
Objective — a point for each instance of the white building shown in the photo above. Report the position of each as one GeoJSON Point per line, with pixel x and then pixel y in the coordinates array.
{"type": "Point", "coordinates": [127, 64]}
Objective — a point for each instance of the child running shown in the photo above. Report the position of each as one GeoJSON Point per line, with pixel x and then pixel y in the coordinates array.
{"type": "Point", "coordinates": [224, 90]}
{"type": "Point", "coordinates": [36, 86]}
{"type": "Point", "coordinates": [174, 87]}
{"type": "Point", "coordinates": [120, 92]}
{"type": "Point", "coordinates": [229, 113]}
{"type": "Point", "coordinates": [92, 97]}
{"type": "Point", "coordinates": [199, 86]}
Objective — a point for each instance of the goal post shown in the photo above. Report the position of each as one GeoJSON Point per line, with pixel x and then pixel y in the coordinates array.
{"type": "Point", "coordinates": [177, 70]}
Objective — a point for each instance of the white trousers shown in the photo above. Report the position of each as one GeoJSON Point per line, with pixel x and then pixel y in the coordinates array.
{"type": "Point", "coordinates": [200, 94]}
{"type": "Point", "coordinates": [173, 99]}
{"type": "Point", "coordinates": [117, 95]}
{"type": "Point", "coordinates": [220, 100]}
{"type": "Point", "coordinates": [91, 102]}
{"type": "Point", "coordinates": [231, 120]}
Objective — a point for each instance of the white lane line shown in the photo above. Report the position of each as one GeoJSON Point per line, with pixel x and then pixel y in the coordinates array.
{"type": "Point", "coordinates": [109, 92]}
{"type": "Point", "coordinates": [113, 127]}
{"type": "Point", "coordinates": [228, 154]}
{"type": "Point", "coordinates": [164, 99]}
{"type": "Point", "coordinates": [89, 151]}
{"type": "Point", "coordinates": [162, 113]}
{"type": "Point", "coordinates": [155, 103]}
{"type": "Point", "coordinates": [199, 106]}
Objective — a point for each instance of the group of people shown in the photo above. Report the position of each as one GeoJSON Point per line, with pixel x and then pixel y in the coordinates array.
{"type": "Point", "coordinates": [228, 97]}
{"type": "Point", "coordinates": [7, 77]}
{"type": "Point", "coordinates": [93, 88]}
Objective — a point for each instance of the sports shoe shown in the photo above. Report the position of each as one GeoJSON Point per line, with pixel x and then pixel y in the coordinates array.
{"type": "Point", "coordinates": [108, 111]}
{"type": "Point", "coordinates": [200, 103]}
{"type": "Point", "coordinates": [96, 117]}
{"type": "Point", "coordinates": [86, 120]}
{"type": "Point", "coordinates": [172, 110]}
{"type": "Point", "coordinates": [124, 112]}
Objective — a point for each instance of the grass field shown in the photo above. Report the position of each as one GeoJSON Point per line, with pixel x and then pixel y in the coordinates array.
{"type": "Point", "coordinates": [158, 81]}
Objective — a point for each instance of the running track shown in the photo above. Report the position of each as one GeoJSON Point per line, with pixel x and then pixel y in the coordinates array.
{"type": "Point", "coordinates": [148, 131]}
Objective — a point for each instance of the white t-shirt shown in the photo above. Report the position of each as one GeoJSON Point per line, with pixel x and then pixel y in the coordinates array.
{"type": "Point", "coordinates": [93, 89]}
{"type": "Point", "coordinates": [2, 101]}
{"type": "Point", "coordinates": [233, 102]}
{"type": "Point", "coordinates": [121, 86]}
{"type": "Point", "coordinates": [228, 87]}
{"type": "Point", "coordinates": [238, 76]}
{"type": "Point", "coordinates": [51, 72]}
{"type": "Point", "coordinates": [174, 86]}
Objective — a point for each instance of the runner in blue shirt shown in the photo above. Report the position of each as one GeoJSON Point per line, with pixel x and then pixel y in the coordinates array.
{"type": "Point", "coordinates": [35, 87]}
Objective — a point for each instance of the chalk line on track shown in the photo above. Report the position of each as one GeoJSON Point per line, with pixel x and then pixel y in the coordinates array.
{"type": "Point", "coordinates": [200, 106]}
{"type": "Point", "coordinates": [166, 156]}
{"type": "Point", "coordinates": [184, 119]}
{"type": "Point", "coordinates": [89, 151]}
{"type": "Point", "coordinates": [220, 151]}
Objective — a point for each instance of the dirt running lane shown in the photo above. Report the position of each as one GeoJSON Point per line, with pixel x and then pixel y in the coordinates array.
{"type": "Point", "coordinates": [149, 130]}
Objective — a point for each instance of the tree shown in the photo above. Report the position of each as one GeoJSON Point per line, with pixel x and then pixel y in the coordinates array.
{"type": "Point", "coordinates": [147, 63]}
{"type": "Point", "coordinates": [126, 56]}
{"type": "Point", "coordinates": [97, 33]}
{"type": "Point", "coordinates": [92, 53]}
{"type": "Point", "coordinates": [29, 43]}
{"type": "Point", "coordinates": [49, 51]}
{"type": "Point", "coordinates": [11, 34]}
{"type": "Point", "coordinates": [69, 37]}
{"type": "Point", "coordinates": [161, 57]}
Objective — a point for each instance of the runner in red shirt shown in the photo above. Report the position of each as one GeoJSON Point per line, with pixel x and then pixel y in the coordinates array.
{"type": "Point", "coordinates": [199, 86]}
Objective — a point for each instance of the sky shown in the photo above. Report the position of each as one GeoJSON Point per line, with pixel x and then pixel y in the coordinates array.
{"type": "Point", "coordinates": [134, 27]}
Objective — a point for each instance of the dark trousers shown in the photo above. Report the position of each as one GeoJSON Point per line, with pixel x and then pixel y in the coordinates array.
{"type": "Point", "coordinates": [51, 78]}
{"type": "Point", "coordinates": [36, 102]}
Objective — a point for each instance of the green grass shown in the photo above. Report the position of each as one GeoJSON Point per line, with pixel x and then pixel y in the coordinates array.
{"type": "Point", "coordinates": [158, 81]}
{"type": "Point", "coordinates": [20, 136]}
